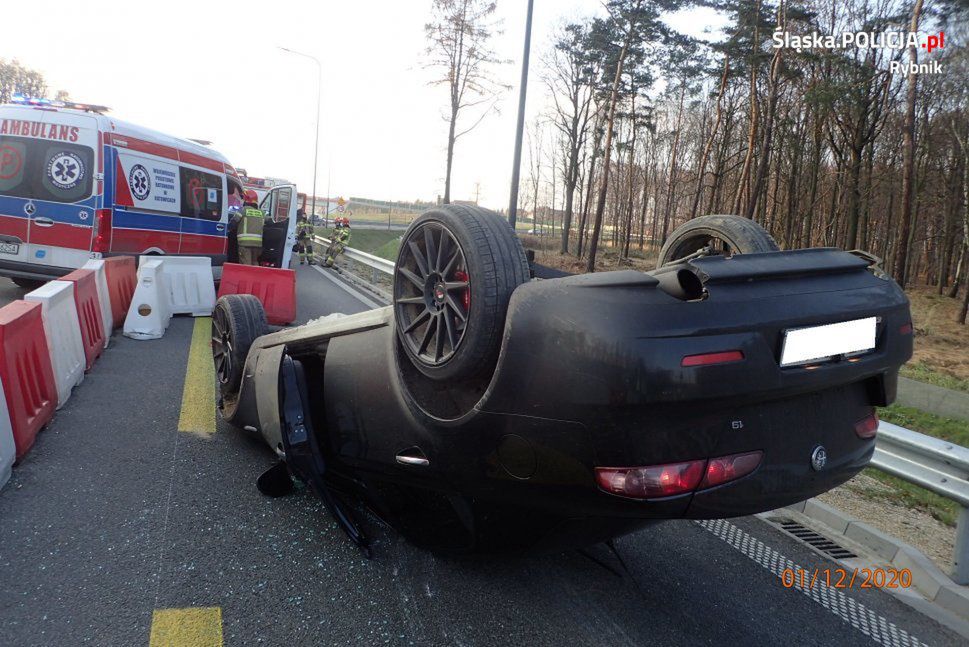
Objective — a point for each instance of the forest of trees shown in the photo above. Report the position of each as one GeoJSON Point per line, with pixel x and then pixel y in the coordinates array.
{"type": "Point", "coordinates": [647, 128]}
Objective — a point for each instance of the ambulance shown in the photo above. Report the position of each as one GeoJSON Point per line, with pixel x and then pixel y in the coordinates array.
{"type": "Point", "coordinates": [77, 184]}
{"type": "Point", "coordinates": [263, 185]}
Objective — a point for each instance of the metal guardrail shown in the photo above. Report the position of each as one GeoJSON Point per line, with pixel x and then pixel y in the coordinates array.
{"type": "Point", "coordinates": [378, 265]}
{"type": "Point", "coordinates": [936, 465]}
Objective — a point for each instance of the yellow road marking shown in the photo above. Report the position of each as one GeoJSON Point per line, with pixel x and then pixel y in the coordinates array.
{"type": "Point", "coordinates": [198, 395]}
{"type": "Point", "coordinates": [192, 627]}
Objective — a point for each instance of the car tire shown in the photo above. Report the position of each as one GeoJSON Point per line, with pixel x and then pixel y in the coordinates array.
{"type": "Point", "coordinates": [739, 236]}
{"type": "Point", "coordinates": [237, 321]}
{"type": "Point", "coordinates": [27, 284]}
{"type": "Point", "coordinates": [456, 270]}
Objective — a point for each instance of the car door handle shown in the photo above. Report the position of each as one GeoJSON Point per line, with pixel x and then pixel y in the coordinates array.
{"type": "Point", "coordinates": [43, 222]}
{"type": "Point", "coordinates": [413, 456]}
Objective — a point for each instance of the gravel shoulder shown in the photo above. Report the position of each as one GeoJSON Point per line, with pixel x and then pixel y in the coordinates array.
{"type": "Point", "coordinates": [865, 498]}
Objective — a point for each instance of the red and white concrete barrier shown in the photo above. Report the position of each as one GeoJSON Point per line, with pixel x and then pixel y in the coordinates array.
{"type": "Point", "coordinates": [104, 299]}
{"type": "Point", "coordinates": [29, 389]}
{"type": "Point", "coordinates": [63, 332]}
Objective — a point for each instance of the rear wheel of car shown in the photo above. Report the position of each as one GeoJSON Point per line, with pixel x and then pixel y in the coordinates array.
{"type": "Point", "coordinates": [721, 234]}
{"type": "Point", "coordinates": [237, 321]}
{"type": "Point", "coordinates": [456, 270]}
{"type": "Point", "coordinates": [27, 284]}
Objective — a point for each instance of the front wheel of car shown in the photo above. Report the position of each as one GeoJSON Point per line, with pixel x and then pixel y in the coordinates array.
{"type": "Point", "coordinates": [456, 270]}
{"type": "Point", "coordinates": [237, 321]}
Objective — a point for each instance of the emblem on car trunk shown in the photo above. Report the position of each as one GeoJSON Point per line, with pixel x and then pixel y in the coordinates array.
{"type": "Point", "coordinates": [819, 458]}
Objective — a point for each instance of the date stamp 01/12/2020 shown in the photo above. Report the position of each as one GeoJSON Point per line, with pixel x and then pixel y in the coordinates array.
{"type": "Point", "coordinates": [847, 578]}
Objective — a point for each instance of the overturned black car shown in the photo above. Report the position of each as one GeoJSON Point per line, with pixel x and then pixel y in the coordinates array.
{"type": "Point", "coordinates": [487, 411]}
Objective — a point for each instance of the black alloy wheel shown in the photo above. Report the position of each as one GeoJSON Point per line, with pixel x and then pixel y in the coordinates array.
{"type": "Point", "coordinates": [237, 321]}
{"type": "Point", "coordinates": [221, 346]}
{"type": "Point", "coordinates": [432, 293]}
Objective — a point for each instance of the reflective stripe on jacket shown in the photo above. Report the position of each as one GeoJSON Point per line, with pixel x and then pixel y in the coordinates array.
{"type": "Point", "coordinates": [304, 230]}
{"type": "Point", "coordinates": [250, 227]}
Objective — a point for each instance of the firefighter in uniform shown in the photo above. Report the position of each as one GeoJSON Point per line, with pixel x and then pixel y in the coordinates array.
{"type": "Point", "coordinates": [249, 234]}
{"type": "Point", "coordinates": [304, 238]}
{"type": "Point", "coordinates": [341, 239]}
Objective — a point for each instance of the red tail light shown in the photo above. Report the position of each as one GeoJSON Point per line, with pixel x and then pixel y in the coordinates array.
{"type": "Point", "coordinates": [728, 468]}
{"type": "Point", "coordinates": [658, 481]}
{"type": "Point", "coordinates": [868, 427]}
{"type": "Point", "coordinates": [102, 231]}
{"type": "Point", "coordinates": [906, 328]}
{"type": "Point", "coordinates": [651, 482]}
{"type": "Point", "coordinates": [707, 359]}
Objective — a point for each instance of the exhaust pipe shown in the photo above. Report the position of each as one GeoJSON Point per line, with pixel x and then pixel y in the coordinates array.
{"type": "Point", "coordinates": [680, 282]}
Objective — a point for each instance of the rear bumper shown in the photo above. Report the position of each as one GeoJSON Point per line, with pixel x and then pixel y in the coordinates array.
{"type": "Point", "coordinates": [550, 465]}
{"type": "Point", "coordinates": [32, 271]}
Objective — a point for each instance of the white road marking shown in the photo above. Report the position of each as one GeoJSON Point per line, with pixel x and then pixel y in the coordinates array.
{"type": "Point", "coordinates": [356, 294]}
{"type": "Point", "coordinates": [834, 600]}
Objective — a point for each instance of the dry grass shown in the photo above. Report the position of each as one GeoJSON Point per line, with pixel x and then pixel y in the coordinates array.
{"type": "Point", "coordinates": [607, 258]}
{"type": "Point", "coordinates": [941, 344]}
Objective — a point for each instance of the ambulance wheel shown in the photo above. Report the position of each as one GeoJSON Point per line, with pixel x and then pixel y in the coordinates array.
{"type": "Point", "coordinates": [456, 270]}
{"type": "Point", "coordinates": [722, 235]}
{"type": "Point", "coordinates": [238, 320]}
{"type": "Point", "coordinates": [27, 284]}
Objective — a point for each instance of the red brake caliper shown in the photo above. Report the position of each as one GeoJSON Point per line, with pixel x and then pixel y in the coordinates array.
{"type": "Point", "coordinates": [461, 275]}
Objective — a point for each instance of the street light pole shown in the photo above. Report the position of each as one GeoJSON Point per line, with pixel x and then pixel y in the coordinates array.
{"type": "Point", "coordinates": [516, 167]}
{"type": "Point", "coordinates": [319, 92]}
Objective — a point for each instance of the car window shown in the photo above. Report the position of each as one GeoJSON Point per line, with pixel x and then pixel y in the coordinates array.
{"type": "Point", "coordinates": [201, 194]}
{"type": "Point", "coordinates": [266, 206]}
{"type": "Point", "coordinates": [12, 156]}
{"type": "Point", "coordinates": [42, 170]}
{"type": "Point", "coordinates": [235, 195]}
{"type": "Point", "coordinates": [283, 199]}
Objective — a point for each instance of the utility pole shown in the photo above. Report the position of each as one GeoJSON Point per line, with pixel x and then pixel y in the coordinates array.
{"type": "Point", "coordinates": [516, 166]}
{"type": "Point", "coordinates": [319, 92]}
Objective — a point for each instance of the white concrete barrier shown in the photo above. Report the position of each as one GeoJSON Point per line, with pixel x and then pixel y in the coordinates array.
{"type": "Point", "coordinates": [63, 331]}
{"type": "Point", "coordinates": [150, 311]}
{"type": "Point", "coordinates": [191, 288]}
{"type": "Point", "coordinates": [8, 450]}
{"type": "Point", "coordinates": [104, 298]}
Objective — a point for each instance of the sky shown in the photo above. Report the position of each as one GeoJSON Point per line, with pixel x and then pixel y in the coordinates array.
{"type": "Point", "coordinates": [214, 71]}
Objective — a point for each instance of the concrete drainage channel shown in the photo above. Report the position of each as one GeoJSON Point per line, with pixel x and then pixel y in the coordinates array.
{"type": "Point", "coordinates": [812, 538]}
{"type": "Point", "coordinates": [855, 545]}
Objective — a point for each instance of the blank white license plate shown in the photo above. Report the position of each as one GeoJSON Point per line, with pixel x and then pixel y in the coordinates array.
{"type": "Point", "coordinates": [9, 248]}
{"type": "Point", "coordinates": [824, 342]}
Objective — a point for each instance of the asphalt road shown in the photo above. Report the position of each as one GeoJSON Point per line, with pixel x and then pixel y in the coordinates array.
{"type": "Point", "coordinates": [116, 514]}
